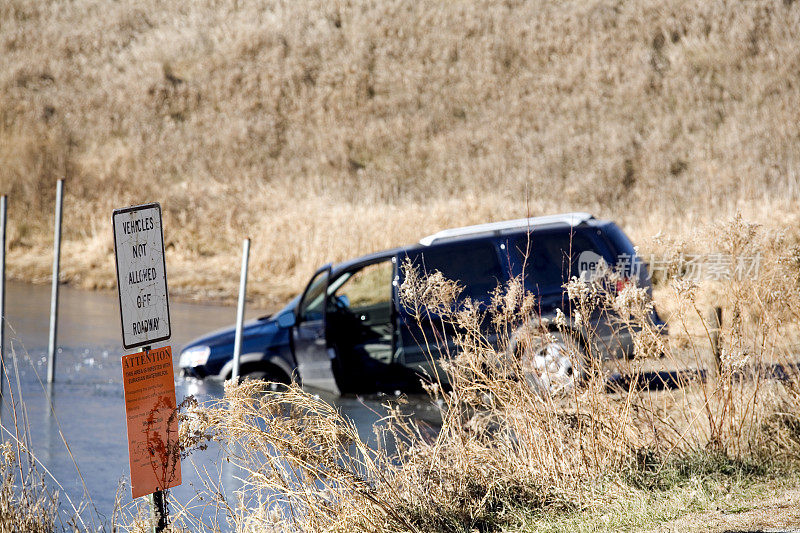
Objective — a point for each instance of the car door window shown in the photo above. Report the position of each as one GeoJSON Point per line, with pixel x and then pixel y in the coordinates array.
{"type": "Point", "coordinates": [550, 259]}
{"type": "Point", "coordinates": [367, 288]}
{"type": "Point", "coordinates": [475, 266]}
{"type": "Point", "coordinates": [360, 318]}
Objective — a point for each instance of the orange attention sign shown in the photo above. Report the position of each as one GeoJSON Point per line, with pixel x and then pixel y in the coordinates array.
{"type": "Point", "coordinates": [152, 421]}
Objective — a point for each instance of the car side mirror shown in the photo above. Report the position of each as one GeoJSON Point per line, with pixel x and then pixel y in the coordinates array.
{"type": "Point", "coordinates": [286, 320]}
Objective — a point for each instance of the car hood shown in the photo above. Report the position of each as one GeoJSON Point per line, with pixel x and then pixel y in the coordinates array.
{"type": "Point", "coordinates": [224, 336]}
{"type": "Point", "coordinates": [260, 327]}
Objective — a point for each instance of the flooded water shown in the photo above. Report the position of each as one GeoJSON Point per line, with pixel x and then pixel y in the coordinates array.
{"type": "Point", "coordinates": [85, 409]}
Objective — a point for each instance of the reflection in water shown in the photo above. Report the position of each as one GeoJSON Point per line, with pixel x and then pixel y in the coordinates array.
{"type": "Point", "coordinates": [88, 406]}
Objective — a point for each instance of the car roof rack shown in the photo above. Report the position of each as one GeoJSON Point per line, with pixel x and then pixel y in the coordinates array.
{"type": "Point", "coordinates": [497, 228]}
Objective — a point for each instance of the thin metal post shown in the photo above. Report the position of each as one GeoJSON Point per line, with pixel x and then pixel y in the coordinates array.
{"type": "Point", "coordinates": [3, 211]}
{"type": "Point", "coordinates": [158, 504]}
{"type": "Point", "coordinates": [237, 343]}
{"type": "Point", "coordinates": [51, 351]}
{"type": "Point", "coordinates": [158, 500]}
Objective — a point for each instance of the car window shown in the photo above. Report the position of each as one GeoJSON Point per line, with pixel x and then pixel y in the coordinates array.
{"type": "Point", "coordinates": [367, 287]}
{"type": "Point", "coordinates": [550, 259]}
{"type": "Point", "coordinates": [474, 265]}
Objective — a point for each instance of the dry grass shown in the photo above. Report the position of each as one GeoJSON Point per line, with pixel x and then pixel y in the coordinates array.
{"type": "Point", "coordinates": [328, 129]}
{"type": "Point", "coordinates": [26, 503]}
{"type": "Point", "coordinates": [507, 451]}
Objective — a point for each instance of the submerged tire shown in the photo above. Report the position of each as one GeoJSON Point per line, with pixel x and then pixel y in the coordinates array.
{"type": "Point", "coordinates": [265, 372]}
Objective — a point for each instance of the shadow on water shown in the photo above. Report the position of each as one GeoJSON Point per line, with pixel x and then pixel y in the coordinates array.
{"type": "Point", "coordinates": [674, 379]}
{"type": "Point", "coordinates": [654, 380]}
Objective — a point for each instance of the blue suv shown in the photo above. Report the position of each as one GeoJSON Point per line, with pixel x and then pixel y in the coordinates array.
{"type": "Point", "coordinates": [348, 333]}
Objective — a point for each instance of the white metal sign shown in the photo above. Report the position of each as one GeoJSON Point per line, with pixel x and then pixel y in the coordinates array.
{"type": "Point", "coordinates": [141, 275]}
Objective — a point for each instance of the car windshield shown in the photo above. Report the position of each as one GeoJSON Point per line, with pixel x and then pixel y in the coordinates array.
{"type": "Point", "coordinates": [289, 307]}
{"type": "Point", "coordinates": [314, 298]}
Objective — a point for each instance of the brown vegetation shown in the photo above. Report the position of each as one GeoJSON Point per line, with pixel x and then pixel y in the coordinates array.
{"type": "Point", "coordinates": [512, 456]}
{"type": "Point", "coordinates": [328, 129]}
{"type": "Point", "coordinates": [26, 504]}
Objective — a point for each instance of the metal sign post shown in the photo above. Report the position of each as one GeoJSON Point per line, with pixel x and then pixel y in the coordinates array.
{"type": "Point", "coordinates": [237, 341]}
{"type": "Point", "coordinates": [149, 384]}
{"type": "Point", "coordinates": [51, 349]}
{"type": "Point", "coordinates": [3, 209]}
{"type": "Point", "coordinates": [158, 505]}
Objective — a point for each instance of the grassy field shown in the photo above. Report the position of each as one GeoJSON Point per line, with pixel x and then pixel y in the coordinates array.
{"type": "Point", "coordinates": [324, 130]}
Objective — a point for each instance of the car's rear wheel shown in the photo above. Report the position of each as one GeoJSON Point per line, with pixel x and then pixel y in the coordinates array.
{"type": "Point", "coordinates": [553, 362]}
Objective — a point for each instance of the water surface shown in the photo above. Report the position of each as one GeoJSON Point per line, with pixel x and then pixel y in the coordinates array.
{"type": "Point", "coordinates": [85, 407]}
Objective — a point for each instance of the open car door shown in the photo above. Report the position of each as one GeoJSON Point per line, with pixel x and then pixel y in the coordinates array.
{"type": "Point", "coordinates": [360, 317]}
{"type": "Point", "coordinates": [312, 351]}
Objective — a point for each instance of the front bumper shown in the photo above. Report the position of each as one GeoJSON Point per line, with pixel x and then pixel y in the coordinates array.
{"type": "Point", "coordinates": [198, 372]}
